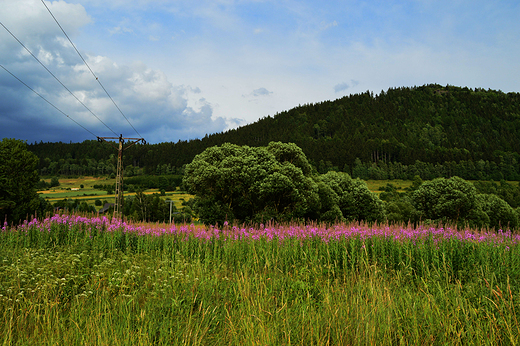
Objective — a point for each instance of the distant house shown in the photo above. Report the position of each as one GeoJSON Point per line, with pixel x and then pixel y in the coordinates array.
{"type": "Point", "coordinates": [75, 189]}
{"type": "Point", "coordinates": [105, 208]}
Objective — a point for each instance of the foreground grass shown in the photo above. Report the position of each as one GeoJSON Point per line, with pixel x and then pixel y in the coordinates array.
{"type": "Point", "coordinates": [74, 286]}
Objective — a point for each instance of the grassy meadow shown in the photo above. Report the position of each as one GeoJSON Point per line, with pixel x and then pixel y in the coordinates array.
{"type": "Point", "coordinates": [89, 194]}
{"type": "Point", "coordinates": [76, 280]}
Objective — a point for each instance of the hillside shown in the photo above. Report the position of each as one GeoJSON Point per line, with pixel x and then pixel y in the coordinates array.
{"type": "Point", "coordinates": [431, 130]}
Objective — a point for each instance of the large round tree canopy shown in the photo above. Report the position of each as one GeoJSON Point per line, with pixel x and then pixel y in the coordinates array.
{"type": "Point", "coordinates": [251, 184]}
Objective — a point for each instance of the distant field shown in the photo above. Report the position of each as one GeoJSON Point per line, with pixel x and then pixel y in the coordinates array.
{"type": "Point", "coordinates": [90, 195]}
{"type": "Point", "coordinates": [60, 194]}
{"type": "Point", "coordinates": [376, 185]}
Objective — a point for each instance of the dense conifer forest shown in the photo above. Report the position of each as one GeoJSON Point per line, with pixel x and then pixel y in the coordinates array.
{"type": "Point", "coordinates": [431, 131]}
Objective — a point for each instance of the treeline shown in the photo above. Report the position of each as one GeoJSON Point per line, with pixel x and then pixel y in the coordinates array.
{"type": "Point", "coordinates": [442, 130]}
{"type": "Point", "coordinates": [276, 183]}
{"type": "Point", "coordinates": [144, 182]}
{"type": "Point", "coordinates": [163, 182]}
{"type": "Point", "coordinates": [480, 170]}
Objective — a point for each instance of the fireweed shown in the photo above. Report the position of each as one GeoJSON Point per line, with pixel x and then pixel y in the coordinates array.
{"type": "Point", "coordinates": [96, 280]}
{"type": "Point", "coordinates": [347, 246]}
{"type": "Point", "coordinates": [93, 225]}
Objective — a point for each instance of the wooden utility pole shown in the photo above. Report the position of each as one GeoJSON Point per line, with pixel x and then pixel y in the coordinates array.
{"type": "Point", "coordinates": [118, 210]}
{"type": "Point", "coordinates": [171, 202]}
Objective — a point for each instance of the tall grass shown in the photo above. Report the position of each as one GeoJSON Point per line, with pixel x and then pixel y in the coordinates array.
{"type": "Point", "coordinates": [79, 280]}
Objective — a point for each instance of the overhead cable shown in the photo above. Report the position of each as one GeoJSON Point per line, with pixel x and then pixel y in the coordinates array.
{"type": "Point", "coordinates": [97, 79]}
{"type": "Point", "coordinates": [57, 79]}
{"type": "Point", "coordinates": [50, 103]}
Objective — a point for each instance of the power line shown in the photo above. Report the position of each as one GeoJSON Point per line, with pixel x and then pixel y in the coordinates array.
{"type": "Point", "coordinates": [97, 79]}
{"type": "Point", "coordinates": [59, 110]}
{"type": "Point", "coordinates": [57, 79]}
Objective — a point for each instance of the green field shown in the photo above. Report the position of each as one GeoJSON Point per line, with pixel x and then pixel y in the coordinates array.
{"type": "Point", "coordinates": [78, 281]}
{"type": "Point", "coordinates": [90, 195]}
{"type": "Point", "coordinates": [376, 186]}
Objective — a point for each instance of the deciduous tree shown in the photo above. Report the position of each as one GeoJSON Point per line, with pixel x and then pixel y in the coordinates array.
{"type": "Point", "coordinates": [445, 199]}
{"type": "Point", "coordinates": [18, 180]}
{"type": "Point", "coordinates": [251, 184]}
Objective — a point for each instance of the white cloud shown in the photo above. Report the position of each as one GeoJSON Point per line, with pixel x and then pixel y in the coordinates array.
{"type": "Point", "coordinates": [325, 25]}
{"type": "Point", "coordinates": [37, 23]}
{"type": "Point", "coordinates": [158, 109]}
{"type": "Point", "coordinates": [120, 30]}
{"type": "Point", "coordinates": [261, 92]}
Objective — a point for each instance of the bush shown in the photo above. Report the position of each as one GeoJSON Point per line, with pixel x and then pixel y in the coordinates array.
{"type": "Point", "coordinates": [500, 213]}
{"type": "Point", "coordinates": [446, 200]}
{"type": "Point", "coordinates": [345, 198]}
{"type": "Point", "coordinates": [42, 185]}
{"type": "Point", "coordinates": [54, 182]}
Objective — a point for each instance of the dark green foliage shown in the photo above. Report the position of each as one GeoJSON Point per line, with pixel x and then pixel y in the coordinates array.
{"type": "Point", "coordinates": [432, 131]}
{"type": "Point", "coordinates": [44, 207]}
{"type": "Point", "coordinates": [327, 210]}
{"type": "Point", "coordinates": [401, 211]}
{"type": "Point", "coordinates": [500, 214]}
{"type": "Point", "coordinates": [389, 193]}
{"type": "Point", "coordinates": [449, 200]}
{"type": "Point", "coordinates": [466, 169]}
{"type": "Point", "coordinates": [54, 182]}
{"type": "Point", "coordinates": [508, 192]}
{"type": "Point", "coordinates": [274, 183]}
{"type": "Point", "coordinates": [343, 198]}
{"type": "Point", "coordinates": [42, 185]}
{"type": "Point", "coordinates": [417, 182]}
{"type": "Point", "coordinates": [455, 200]}
{"type": "Point", "coordinates": [70, 205]}
{"type": "Point", "coordinates": [83, 207]}
{"type": "Point", "coordinates": [166, 182]}
{"type": "Point", "coordinates": [251, 184]}
{"type": "Point", "coordinates": [150, 208]}
{"type": "Point", "coordinates": [18, 181]}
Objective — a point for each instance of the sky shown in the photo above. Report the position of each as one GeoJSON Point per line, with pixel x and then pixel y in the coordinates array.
{"type": "Point", "coordinates": [180, 69]}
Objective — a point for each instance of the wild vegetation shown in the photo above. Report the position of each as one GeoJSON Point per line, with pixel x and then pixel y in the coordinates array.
{"type": "Point", "coordinates": [18, 179]}
{"type": "Point", "coordinates": [432, 131]}
{"type": "Point", "coordinates": [277, 183]}
{"type": "Point", "coordinates": [76, 280]}
{"type": "Point", "coordinates": [259, 184]}
{"type": "Point", "coordinates": [296, 248]}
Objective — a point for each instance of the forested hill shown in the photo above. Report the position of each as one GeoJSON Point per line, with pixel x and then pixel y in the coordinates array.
{"type": "Point", "coordinates": [443, 129]}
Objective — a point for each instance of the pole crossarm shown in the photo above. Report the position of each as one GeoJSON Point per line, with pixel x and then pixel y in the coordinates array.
{"type": "Point", "coordinates": [118, 210]}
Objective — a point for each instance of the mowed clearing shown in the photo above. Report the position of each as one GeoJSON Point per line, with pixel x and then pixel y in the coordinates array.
{"type": "Point", "coordinates": [71, 188]}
